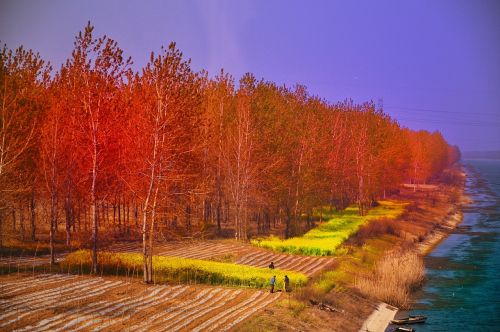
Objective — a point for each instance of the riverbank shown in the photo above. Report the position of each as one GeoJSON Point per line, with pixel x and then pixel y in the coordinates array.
{"type": "Point", "coordinates": [462, 289]}
{"type": "Point", "coordinates": [449, 224]}
{"type": "Point", "coordinates": [429, 216]}
{"type": "Point", "coordinates": [381, 317]}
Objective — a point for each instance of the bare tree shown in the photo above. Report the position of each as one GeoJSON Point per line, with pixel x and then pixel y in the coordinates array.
{"type": "Point", "coordinates": [164, 117]}
{"type": "Point", "coordinates": [96, 72]}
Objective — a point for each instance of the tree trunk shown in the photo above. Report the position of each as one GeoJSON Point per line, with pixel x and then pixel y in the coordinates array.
{"type": "Point", "coordinates": [79, 215]}
{"type": "Point", "coordinates": [14, 219]}
{"type": "Point", "coordinates": [288, 223]}
{"type": "Point", "coordinates": [144, 246]}
{"type": "Point", "coordinates": [106, 209]}
{"type": "Point", "coordinates": [73, 217]}
{"type": "Point", "coordinates": [94, 233]}
{"type": "Point", "coordinates": [151, 236]}
{"type": "Point", "coordinates": [94, 208]}
{"type": "Point", "coordinates": [52, 226]}
{"type": "Point", "coordinates": [119, 215]}
{"type": "Point", "coordinates": [68, 221]}
{"type": "Point", "coordinates": [21, 221]}
{"type": "Point", "coordinates": [86, 219]}
{"type": "Point", "coordinates": [114, 214]}
{"type": "Point", "coordinates": [56, 219]}
{"type": "Point", "coordinates": [218, 216]}
{"type": "Point", "coordinates": [188, 217]}
{"type": "Point", "coordinates": [259, 227]}
{"type": "Point", "coordinates": [136, 215]}
{"type": "Point", "coordinates": [1, 226]}
{"type": "Point", "coordinates": [127, 224]}
{"type": "Point", "coordinates": [145, 264]}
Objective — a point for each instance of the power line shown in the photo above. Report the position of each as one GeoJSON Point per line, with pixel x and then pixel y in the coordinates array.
{"type": "Point", "coordinates": [451, 122]}
{"type": "Point", "coordinates": [440, 111]}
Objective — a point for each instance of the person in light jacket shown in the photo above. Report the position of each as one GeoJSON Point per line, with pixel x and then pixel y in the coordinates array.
{"type": "Point", "coordinates": [272, 282]}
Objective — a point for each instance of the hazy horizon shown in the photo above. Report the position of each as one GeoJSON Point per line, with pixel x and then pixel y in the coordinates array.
{"type": "Point", "coordinates": [433, 64]}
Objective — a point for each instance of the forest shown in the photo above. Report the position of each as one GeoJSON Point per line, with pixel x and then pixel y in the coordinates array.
{"type": "Point", "coordinates": [96, 150]}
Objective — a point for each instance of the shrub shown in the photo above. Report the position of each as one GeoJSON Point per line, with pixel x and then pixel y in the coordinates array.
{"type": "Point", "coordinates": [295, 307]}
{"type": "Point", "coordinates": [375, 228]}
{"type": "Point", "coordinates": [396, 275]}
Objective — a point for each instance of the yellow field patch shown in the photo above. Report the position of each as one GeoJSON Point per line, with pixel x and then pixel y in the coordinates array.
{"type": "Point", "coordinates": [179, 269]}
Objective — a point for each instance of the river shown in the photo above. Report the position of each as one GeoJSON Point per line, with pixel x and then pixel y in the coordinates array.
{"type": "Point", "coordinates": [462, 290]}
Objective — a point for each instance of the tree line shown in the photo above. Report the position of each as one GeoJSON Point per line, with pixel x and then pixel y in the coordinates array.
{"type": "Point", "coordinates": [96, 146]}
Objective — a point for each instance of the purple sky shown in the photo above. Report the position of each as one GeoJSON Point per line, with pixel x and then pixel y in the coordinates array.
{"type": "Point", "coordinates": [435, 64]}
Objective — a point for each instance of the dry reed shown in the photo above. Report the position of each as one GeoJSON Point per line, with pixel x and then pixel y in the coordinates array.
{"type": "Point", "coordinates": [395, 276]}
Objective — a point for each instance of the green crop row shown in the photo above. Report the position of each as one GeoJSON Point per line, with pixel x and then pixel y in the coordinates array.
{"type": "Point", "coordinates": [327, 237]}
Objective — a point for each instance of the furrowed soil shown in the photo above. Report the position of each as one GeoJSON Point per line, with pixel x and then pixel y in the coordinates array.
{"type": "Point", "coordinates": [61, 302]}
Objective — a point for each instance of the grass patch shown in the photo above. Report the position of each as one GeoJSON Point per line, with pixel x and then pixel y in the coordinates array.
{"type": "Point", "coordinates": [176, 269]}
{"type": "Point", "coordinates": [295, 307]}
{"type": "Point", "coordinates": [327, 237]}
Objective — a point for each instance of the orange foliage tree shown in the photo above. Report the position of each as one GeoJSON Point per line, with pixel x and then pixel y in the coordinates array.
{"type": "Point", "coordinates": [180, 146]}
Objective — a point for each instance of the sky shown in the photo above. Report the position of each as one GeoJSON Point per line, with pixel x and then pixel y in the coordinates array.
{"type": "Point", "coordinates": [433, 65]}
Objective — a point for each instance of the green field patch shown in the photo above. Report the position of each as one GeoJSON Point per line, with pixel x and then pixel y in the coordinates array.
{"type": "Point", "coordinates": [324, 239]}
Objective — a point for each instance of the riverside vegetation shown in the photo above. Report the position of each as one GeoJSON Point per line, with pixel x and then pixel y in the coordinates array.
{"type": "Point", "coordinates": [327, 237]}
{"type": "Point", "coordinates": [394, 277]}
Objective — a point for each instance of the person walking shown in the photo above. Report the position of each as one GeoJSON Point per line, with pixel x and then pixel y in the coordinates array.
{"type": "Point", "coordinates": [272, 282]}
{"type": "Point", "coordinates": [287, 284]}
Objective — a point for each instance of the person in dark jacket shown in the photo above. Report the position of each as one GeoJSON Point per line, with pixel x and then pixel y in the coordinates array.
{"type": "Point", "coordinates": [271, 266]}
{"type": "Point", "coordinates": [287, 284]}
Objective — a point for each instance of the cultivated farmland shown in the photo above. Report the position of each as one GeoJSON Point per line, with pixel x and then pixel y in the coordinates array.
{"type": "Point", "coordinates": [241, 253]}
{"type": "Point", "coordinates": [58, 302]}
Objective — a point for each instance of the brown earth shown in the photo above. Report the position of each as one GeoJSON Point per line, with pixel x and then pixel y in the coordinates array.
{"type": "Point", "coordinates": [61, 302]}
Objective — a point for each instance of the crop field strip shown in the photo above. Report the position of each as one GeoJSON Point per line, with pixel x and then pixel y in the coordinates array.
{"type": "Point", "coordinates": [248, 255]}
{"type": "Point", "coordinates": [202, 250]}
{"type": "Point", "coordinates": [66, 302]}
{"type": "Point", "coordinates": [305, 264]}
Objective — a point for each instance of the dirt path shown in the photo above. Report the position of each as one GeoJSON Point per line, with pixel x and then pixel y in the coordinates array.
{"type": "Point", "coordinates": [379, 319]}
{"type": "Point", "coordinates": [55, 302]}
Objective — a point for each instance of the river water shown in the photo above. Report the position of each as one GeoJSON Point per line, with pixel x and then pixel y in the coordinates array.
{"type": "Point", "coordinates": [462, 291]}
